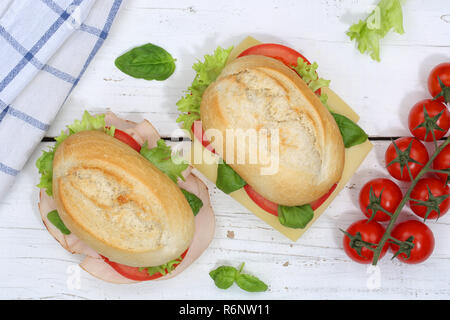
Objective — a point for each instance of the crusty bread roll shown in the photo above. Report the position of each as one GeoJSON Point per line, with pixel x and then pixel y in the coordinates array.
{"type": "Point", "coordinates": [257, 92]}
{"type": "Point", "coordinates": [119, 203]}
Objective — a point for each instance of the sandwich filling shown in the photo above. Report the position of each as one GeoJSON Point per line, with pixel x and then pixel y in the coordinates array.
{"type": "Point", "coordinates": [145, 140]}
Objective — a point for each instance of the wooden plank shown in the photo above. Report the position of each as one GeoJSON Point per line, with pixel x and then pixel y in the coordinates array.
{"type": "Point", "coordinates": [34, 266]}
{"type": "Point", "coordinates": [381, 93]}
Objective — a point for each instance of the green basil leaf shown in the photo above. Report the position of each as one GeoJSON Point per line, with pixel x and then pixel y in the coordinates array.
{"type": "Point", "coordinates": [55, 219]}
{"type": "Point", "coordinates": [352, 134]}
{"type": "Point", "coordinates": [295, 217]}
{"type": "Point", "coordinates": [250, 283]}
{"type": "Point", "coordinates": [227, 179]}
{"type": "Point", "coordinates": [224, 276]}
{"type": "Point", "coordinates": [195, 202]}
{"type": "Point", "coordinates": [148, 62]}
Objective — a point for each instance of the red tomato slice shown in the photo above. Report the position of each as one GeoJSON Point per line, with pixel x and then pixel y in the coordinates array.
{"type": "Point", "coordinates": [126, 138]}
{"type": "Point", "coordinates": [277, 51]}
{"type": "Point", "coordinates": [133, 273]}
{"type": "Point", "coordinates": [263, 203]}
{"type": "Point", "coordinates": [316, 204]}
{"type": "Point", "coordinates": [197, 129]}
{"type": "Point", "coordinates": [272, 207]}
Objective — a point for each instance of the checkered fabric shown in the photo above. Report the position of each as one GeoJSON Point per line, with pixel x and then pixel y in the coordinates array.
{"type": "Point", "coordinates": [45, 48]}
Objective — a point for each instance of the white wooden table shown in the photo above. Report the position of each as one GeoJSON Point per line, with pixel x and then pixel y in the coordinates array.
{"type": "Point", "coordinates": [32, 263]}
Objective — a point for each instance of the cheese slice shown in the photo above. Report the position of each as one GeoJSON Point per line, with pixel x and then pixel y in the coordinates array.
{"type": "Point", "coordinates": [354, 156]}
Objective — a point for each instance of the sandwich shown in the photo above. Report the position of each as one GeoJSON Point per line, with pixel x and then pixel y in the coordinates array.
{"type": "Point", "coordinates": [112, 190]}
{"type": "Point", "coordinates": [271, 90]}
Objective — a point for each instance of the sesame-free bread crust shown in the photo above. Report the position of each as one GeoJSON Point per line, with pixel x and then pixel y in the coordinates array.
{"type": "Point", "coordinates": [119, 203]}
{"type": "Point", "coordinates": [257, 92]}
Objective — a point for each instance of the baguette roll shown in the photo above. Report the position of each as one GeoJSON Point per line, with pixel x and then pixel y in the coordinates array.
{"type": "Point", "coordinates": [257, 92]}
{"type": "Point", "coordinates": [119, 203]}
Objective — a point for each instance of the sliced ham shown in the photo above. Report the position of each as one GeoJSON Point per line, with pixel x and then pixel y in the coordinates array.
{"type": "Point", "coordinates": [69, 242]}
{"type": "Point", "coordinates": [93, 263]}
{"type": "Point", "coordinates": [204, 224]}
{"type": "Point", "coordinates": [140, 132]}
{"type": "Point", "coordinates": [100, 269]}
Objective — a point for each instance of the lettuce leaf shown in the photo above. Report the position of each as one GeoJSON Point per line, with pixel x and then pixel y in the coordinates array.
{"type": "Point", "coordinates": [207, 73]}
{"type": "Point", "coordinates": [45, 162]}
{"type": "Point", "coordinates": [164, 268]}
{"type": "Point", "coordinates": [161, 156]}
{"type": "Point", "coordinates": [368, 33]}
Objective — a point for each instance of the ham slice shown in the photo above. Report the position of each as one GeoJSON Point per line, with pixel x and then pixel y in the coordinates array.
{"type": "Point", "coordinates": [204, 224]}
{"type": "Point", "coordinates": [93, 263]}
{"type": "Point", "coordinates": [100, 269]}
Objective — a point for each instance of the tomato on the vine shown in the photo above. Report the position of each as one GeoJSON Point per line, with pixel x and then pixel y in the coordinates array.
{"type": "Point", "coordinates": [439, 82]}
{"type": "Point", "coordinates": [404, 156]}
{"type": "Point", "coordinates": [381, 195]}
{"type": "Point", "coordinates": [429, 120]}
{"type": "Point", "coordinates": [370, 231]}
{"type": "Point", "coordinates": [437, 200]}
{"type": "Point", "coordinates": [422, 244]}
{"type": "Point", "coordinates": [442, 162]}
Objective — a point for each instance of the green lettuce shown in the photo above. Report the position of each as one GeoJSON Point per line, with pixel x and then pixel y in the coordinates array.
{"type": "Point", "coordinates": [45, 162]}
{"type": "Point", "coordinates": [207, 73]}
{"type": "Point", "coordinates": [164, 268]}
{"type": "Point", "coordinates": [368, 33]}
{"type": "Point", "coordinates": [161, 156]}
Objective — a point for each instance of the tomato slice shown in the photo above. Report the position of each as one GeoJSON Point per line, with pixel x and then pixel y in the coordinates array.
{"type": "Point", "coordinates": [197, 129]}
{"type": "Point", "coordinates": [272, 207]}
{"type": "Point", "coordinates": [277, 51]}
{"type": "Point", "coordinates": [134, 273]}
{"type": "Point", "coordinates": [316, 204]}
{"type": "Point", "coordinates": [126, 138]}
{"type": "Point", "coordinates": [263, 203]}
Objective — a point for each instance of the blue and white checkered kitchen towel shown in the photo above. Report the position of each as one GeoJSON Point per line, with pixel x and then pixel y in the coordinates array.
{"type": "Point", "coordinates": [45, 47]}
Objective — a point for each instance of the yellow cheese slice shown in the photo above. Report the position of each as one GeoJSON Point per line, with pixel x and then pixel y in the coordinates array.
{"type": "Point", "coordinates": [353, 158]}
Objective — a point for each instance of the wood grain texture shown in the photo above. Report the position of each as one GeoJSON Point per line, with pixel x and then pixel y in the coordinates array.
{"type": "Point", "coordinates": [34, 266]}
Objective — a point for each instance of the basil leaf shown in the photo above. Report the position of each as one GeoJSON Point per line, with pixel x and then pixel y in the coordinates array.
{"type": "Point", "coordinates": [55, 219]}
{"type": "Point", "coordinates": [295, 217]}
{"type": "Point", "coordinates": [224, 276]}
{"type": "Point", "coordinates": [195, 202]}
{"type": "Point", "coordinates": [351, 133]}
{"type": "Point", "coordinates": [227, 179]}
{"type": "Point", "coordinates": [250, 283]}
{"type": "Point", "coordinates": [148, 62]}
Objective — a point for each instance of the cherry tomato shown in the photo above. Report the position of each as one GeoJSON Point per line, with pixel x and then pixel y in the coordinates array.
{"type": "Point", "coordinates": [443, 72]}
{"type": "Point", "coordinates": [277, 51]}
{"type": "Point", "coordinates": [418, 152]}
{"type": "Point", "coordinates": [420, 192]}
{"type": "Point", "coordinates": [442, 162]}
{"type": "Point", "coordinates": [197, 129]}
{"type": "Point", "coordinates": [423, 241]}
{"type": "Point", "coordinates": [427, 127]}
{"type": "Point", "coordinates": [370, 231]}
{"type": "Point", "coordinates": [391, 196]}
{"type": "Point", "coordinates": [134, 273]}
{"type": "Point", "coordinates": [126, 138]}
